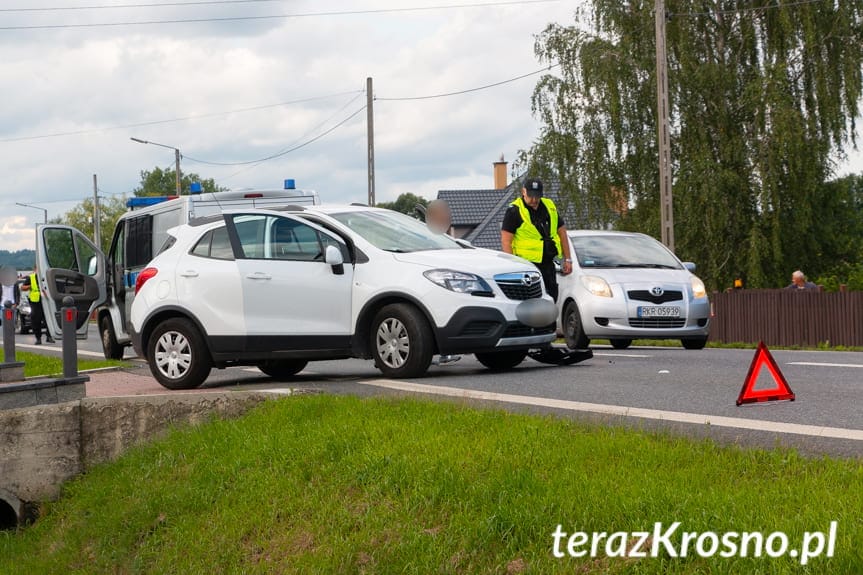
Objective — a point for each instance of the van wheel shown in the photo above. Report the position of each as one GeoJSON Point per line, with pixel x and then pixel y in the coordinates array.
{"type": "Point", "coordinates": [573, 328]}
{"type": "Point", "coordinates": [501, 360]}
{"type": "Point", "coordinates": [110, 347]}
{"type": "Point", "coordinates": [21, 326]}
{"type": "Point", "coordinates": [402, 341]}
{"type": "Point", "coordinates": [621, 343]}
{"type": "Point", "coordinates": [694, 342]}
{"type": "Point", "coordinates": [177, 355]}
{"type": "Point", "coordinates": [283, 368]}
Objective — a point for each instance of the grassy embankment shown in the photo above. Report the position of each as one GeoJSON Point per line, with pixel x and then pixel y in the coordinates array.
{"type": "Point", "coordinates": [36, 364]}
{"type": "Point", "coordinates": [322, 484]}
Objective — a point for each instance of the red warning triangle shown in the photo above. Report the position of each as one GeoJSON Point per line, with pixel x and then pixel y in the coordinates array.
{"type": "Point", "coordinates": [748, 393]}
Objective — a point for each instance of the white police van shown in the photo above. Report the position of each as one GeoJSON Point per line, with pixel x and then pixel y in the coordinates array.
{"type": "Point", "coordinates": [139, 235]}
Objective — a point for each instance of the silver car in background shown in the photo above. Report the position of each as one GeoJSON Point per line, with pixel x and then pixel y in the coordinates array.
{"type": "Point", "coordinates": [626, 286]}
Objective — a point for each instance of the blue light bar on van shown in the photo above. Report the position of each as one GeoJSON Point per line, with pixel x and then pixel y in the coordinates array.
{"type": "Point", "coordinates": [196, 188]}
{"type": "Point", "coordinates": [147, 201]}
{"type": "Point", "coordinates": [290, 184]}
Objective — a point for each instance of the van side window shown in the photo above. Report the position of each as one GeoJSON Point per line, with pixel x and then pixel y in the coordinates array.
{"type": "Point", "coordinates": [139, 241]}
{"type": "Point", "coordinates": [214, 244]}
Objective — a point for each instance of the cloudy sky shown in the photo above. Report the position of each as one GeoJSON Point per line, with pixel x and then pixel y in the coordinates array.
{"type": "Point", "coordinates": [230, 91]}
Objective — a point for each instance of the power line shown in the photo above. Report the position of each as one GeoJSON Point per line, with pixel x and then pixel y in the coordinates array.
{"type": "Point", "coordinates": [182, 119]}
{"type": "Point", "coordinates": [469, 90]}
{"type": "Point", "coordinates": [746, 10]}
{"type": "Point", "coordinates": [281, 16]}
{"type": "Point", "coordinates": [153, 5]}
{"type": "Point", "coordinates": [299, 139]}
{"type": "Point", "coordinates": [283, 152]}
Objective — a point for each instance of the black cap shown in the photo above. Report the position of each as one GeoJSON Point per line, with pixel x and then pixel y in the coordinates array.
{"type": "Point", "coordinates": [533, 187]}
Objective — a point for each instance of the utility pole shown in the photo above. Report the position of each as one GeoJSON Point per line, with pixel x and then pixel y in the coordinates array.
{"type": "Point", "coordinates": [177, 170]}
{"type": "Point", "coordinates": [97, 228]}
{"type": "Point", "coordinates": [370, 124]}
{"type": "Point", "coordinates": [666, 215]}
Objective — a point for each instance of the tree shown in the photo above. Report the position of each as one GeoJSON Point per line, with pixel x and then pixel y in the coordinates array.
{"type": "Point", "coordinates": [406, 203]}
{"type": "Point", "coordinates": [159, 182]}
{"type": "Point", "coordinates": [763, 97]}
{"type": "Point", "coordinates": [81, 218]}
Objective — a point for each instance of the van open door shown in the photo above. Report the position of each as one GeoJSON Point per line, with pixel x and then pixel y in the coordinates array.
{"type": "Point", "coordinates": [68, 264]}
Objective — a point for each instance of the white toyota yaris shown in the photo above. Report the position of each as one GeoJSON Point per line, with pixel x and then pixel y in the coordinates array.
{"type": "Point", "coordinates": [626, 286]}
{"type": "Point", "coordinates": [277, 289]}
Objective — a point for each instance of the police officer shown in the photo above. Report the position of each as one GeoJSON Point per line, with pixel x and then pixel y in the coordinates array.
{"type": "Point", "coordinates": [534, 230]}
{"type": "Point", "coordinates": [37, 313]}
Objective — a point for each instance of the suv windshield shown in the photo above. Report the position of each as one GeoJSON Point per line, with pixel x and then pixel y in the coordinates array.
{"type": "Point", "coordinates": [394, 232]}
{"type": "Point", "coordinates": [613, 251]}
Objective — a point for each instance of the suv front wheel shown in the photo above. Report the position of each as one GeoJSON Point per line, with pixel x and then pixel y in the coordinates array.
{"type": "Point", "coordinates": [177, 355]}
{"type": "Point", "coordinates": [402, 341]}
{"type": "Point", "coordinates": [282, 368]}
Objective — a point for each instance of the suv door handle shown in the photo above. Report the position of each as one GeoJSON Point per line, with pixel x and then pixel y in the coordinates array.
{"type": "Point", "coordinates": [189, 274]}
{"type": "Point", "coordinates": [259, 276]}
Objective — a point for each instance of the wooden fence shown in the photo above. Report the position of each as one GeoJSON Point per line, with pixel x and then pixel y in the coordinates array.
{"type": "Point", "coordinates": [788, 317]}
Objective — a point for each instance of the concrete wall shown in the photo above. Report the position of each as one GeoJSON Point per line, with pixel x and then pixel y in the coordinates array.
{"type": "Point", "coordinates": [43, 446]}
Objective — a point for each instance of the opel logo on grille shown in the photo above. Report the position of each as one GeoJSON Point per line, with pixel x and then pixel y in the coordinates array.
{"type": "Point", "coordinates": [529, 279]}
{"type": "Point", "coordinates": [657, 291]}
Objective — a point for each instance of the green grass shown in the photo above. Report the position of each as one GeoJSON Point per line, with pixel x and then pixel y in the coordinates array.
{"type": "Point", "coordinates": [322, 484]}
{"type": "Point", "coordinates": [38, 365]}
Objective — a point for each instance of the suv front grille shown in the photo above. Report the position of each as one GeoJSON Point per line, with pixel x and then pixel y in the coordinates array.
{"type": "Point", "coordinates": [518, 291]}
{"type": "Point", "coordinates": [517, 329]}
{"type": "Point", "coordinates": [657, 322]}
{"type": "Point", "coordinates": [644, 295]}
{"type": "Point", "coordinates": [478, 328]}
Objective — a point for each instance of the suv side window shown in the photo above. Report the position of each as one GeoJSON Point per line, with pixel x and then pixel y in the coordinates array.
{"type": "Point", "coordinates": [275, 238]}
{"type": "Point", "coordinates": [214, 244]}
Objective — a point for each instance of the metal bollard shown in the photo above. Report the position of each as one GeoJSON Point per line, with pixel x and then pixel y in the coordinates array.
{"type": "Point", "coordinates": [69, 319]}
{"type": "Point", "coordinates": [8, 332]}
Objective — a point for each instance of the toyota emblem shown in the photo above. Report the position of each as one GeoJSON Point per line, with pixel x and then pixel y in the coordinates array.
{"type": "Point", "coordinates": [657, 291]}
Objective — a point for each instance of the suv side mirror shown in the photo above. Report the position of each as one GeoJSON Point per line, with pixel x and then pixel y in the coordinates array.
{"type": "Point", "coordinates": [333, 257]}
{"type": "Point", "coordinates": [689, 266]}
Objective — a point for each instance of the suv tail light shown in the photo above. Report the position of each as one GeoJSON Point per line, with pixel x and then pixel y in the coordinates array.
{"type": "Point", "coordinates": [143, 276]}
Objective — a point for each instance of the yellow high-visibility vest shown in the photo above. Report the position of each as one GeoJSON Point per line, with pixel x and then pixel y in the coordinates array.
{"type": "Point", "coordinates": [527, 242]}
{"type": "Point", "coordinates": [34, 289]}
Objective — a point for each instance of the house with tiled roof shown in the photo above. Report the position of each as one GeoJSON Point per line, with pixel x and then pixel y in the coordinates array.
{"type": "Point", "coordinates": [478, 214]}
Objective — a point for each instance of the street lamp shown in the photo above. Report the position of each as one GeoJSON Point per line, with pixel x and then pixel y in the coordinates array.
{"type": "Point", "coordinates": [176, 159]}
{"type": "Point", "coordinates": [44, 211]}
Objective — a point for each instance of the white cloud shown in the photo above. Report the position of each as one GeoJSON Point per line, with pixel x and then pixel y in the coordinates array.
{"type": "Point", "coordinates": [81, 79]}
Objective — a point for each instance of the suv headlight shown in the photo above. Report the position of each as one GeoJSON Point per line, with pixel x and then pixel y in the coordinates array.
{"type": "Point", "coordinates": [596, 285]}
{"type": "Point", "coordinates": [459, 282]}
{"type": "Point", "coordinates": [698, 289]}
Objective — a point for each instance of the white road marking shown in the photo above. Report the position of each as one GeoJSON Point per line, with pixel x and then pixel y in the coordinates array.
{"type": "Point", "coordinates": [824, 364]}
{"type": "Point", "coordinates": [619, 410]}
{"type": "Point", "coordinates": [635, 355]}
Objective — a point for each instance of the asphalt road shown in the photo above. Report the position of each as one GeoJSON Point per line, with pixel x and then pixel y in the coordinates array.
{"type": "Point", "coordinates": [693, 392]}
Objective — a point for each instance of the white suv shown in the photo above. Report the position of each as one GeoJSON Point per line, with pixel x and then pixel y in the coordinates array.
{"type": "Point", "coordinates": [278, 288]}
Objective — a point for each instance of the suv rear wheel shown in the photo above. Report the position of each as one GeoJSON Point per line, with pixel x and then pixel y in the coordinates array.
{"type": "Point", "coordinates": [402, 341]}
{"type": "Point", "coordinates": [501, 360]}
{"type": "Point", "coordinates": [177, 355]}
{"type": "Point", "coordinates": [110, 347]}
{"type": "Point", "coordinates": [283, 368]}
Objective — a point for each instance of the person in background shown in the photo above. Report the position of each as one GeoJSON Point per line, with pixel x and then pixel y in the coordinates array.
{"type": "Point", "coordinates": [9, 292]}
{"type": "Point", "coordinates": [532, 229]}
{"type": "Point", "coordinates": [37, 311]}
{"type": "Point", "coordinates": [439, 220]}
{"type": "Point", "coordinates": [439, 217]}
{"type": "Point", "coordinates": [798, 282]}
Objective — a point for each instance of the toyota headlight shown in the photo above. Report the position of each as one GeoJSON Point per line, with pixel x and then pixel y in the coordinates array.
{"type": "Point", "coordinates": [698, 289]}
{"type": "Point", "coordinates": [459, 282]}
{"type": "Point", "coordinates": [596, 285]}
